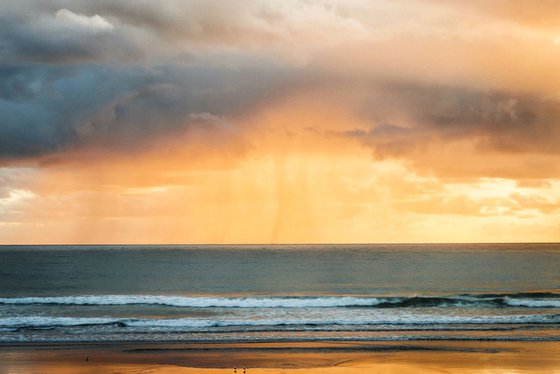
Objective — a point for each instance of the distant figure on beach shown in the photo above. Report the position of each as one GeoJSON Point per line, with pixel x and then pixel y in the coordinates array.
{"type": "Point", "coordinates": [87, 358]}
{"type": "Point", "coordinates": [244, 370]}
{"type": "Point", "coordinates": [235, 370]}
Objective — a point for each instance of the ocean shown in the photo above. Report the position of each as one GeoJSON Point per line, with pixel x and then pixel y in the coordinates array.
{"type": "Point", "coordinates": [246, 293]}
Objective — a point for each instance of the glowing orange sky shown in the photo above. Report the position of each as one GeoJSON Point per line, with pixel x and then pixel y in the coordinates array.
{"type": "Point", "coordinates": [279, 122]}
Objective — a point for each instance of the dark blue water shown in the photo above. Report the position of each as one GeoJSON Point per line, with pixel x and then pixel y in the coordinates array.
{"type": "Point", "coordinates": [289, 292]}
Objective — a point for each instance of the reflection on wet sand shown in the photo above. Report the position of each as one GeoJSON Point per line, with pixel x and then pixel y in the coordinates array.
{"type": "Point", "coordinates": [276, 358]}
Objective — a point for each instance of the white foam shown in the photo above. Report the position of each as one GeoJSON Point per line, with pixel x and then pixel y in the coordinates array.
{"type": "Point", "coordinates": [201, 302]}
{"type": "Point", "coordinates": [37, 321]}
{"type": "Point", "coordinates": [281, 302]}
{"type": "Point", "coordinates": [395, 320]}
{"type": "Point", "coordinates": [533, 303]}
{"type": "Point", "coordinates": [376, 319]}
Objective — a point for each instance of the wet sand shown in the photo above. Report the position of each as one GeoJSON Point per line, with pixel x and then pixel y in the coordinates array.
{"type": "Point", "coordinates": [286, 357]}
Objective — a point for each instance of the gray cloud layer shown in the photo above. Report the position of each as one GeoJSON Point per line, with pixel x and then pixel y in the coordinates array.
{"type": "Point", "coordinates": [407, 114]}
{"type": "Point", "coordinates": [52, 108]}
{"type": "Point", "coordinates": [70, 79]}
{"type": "Point", "coordinates": [114, 74]}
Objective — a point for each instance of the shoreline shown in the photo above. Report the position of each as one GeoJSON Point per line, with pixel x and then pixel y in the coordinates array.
{"type": "Point", "coordinates": [282, 357]}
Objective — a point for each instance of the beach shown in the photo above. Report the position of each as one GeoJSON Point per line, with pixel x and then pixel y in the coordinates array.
{"type": "Point", "coordinates": [300, 358]}
{"type": "Point", "coordinates": [276, 309]}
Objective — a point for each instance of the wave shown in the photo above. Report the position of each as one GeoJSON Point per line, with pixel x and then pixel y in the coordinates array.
{"type": "Point", "coordinates": [200, 302]}
{"type": "Point", "coordinates": [529, 300]}
{"type": "Point", "coordinates": [267, 339]}
{"type": "Point", "coordinates": [46, 322]}
{"type": "Point", "coordinates": [533, 303]}
{"type": "Point", "coordinates": [178, 323]}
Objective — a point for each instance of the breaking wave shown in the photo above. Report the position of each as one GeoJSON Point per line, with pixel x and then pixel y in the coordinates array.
{"type": "Point", "coordinates": [53, 322]}
{"type": "Point", "coordinates": [529, 300]}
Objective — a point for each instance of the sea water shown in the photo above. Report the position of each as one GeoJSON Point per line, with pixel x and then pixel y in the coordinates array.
{"type": "Point", "coordinates": [279, 292]}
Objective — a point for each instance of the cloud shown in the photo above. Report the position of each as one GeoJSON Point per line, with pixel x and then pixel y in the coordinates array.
{"type": "Point", "coordinates": [116, 74]}
{"type": "Point", "coordinates": [413, 121]}
{"type": "Point", "coordinates": [13, 179]}
{"type": "Point", "coordinates": [50, 109]}
{"type": "Point", "coordinates": [508, 121]}
{"type": "Point", "coordinates": [537, 14]}
{"type": "Point", "coordinates": [79, 21]}
{"type": "Point", "coordinates": [247, 23]}
{"type": "Point", "coordinates": [62, 31]}
{"type": "Point", "coordinates": [522, 206]}
{"type": "Point", "coordinates": [78, 75]}
{"type": "Point", "coordinates": [31, 35]}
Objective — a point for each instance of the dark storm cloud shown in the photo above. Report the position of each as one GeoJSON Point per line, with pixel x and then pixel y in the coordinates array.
{"type": "Point", "coordinates": [70, 78]}
{"type": "Point", "coordinates": [76, 106]}
{"type": "Point", "coordinates": [38, 33]}
{"type": "Point", "coordinates": [61, 31]}
{"type": "Point", "coordinates": [406, 116]}
{"type": "Point", "coordinates": [187, 20]}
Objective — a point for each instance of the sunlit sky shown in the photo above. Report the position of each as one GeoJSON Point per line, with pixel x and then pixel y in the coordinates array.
{"type": "Point", "coordinates": [279, 121]}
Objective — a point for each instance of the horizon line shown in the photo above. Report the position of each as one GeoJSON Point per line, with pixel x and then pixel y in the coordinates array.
{"type": "Point", "coordinates": [271, 244]}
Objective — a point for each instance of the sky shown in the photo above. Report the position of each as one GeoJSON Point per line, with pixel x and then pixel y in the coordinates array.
{"type": "Point", "coordinates": [279, 121]}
